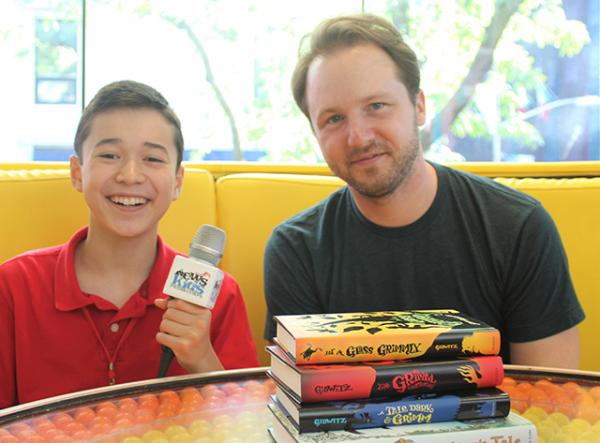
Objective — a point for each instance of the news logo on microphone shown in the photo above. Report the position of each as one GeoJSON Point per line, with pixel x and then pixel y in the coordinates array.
{"type": "Point", "coordinates": [194, 281]}
{"type": "Point", "coordinates": [197, 279]}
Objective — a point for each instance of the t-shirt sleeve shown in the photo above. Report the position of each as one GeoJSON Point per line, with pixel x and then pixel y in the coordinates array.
{"type": "Point", "coordinates": [231, 336]}
{"type": "Point", "coordinates": [540, 297]}
{"type": "Point", "coordinates": [290, 286]}
{"type": "Point", "coordinates": [8, 395]}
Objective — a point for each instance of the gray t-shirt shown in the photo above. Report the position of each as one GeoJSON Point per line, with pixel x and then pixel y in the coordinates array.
{"type": "Point", "coordinates": [482, 248]}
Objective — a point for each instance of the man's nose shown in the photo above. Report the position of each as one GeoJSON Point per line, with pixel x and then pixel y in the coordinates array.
{"type": "Point", "coordinates": [360, 132]}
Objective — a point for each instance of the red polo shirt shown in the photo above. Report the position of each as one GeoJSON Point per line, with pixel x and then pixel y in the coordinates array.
{"type": "Point", "coordinates": [55, 339]}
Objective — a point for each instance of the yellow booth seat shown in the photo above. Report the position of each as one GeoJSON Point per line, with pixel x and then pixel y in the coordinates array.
{"type": "Point", "coordinates": [40, 208]}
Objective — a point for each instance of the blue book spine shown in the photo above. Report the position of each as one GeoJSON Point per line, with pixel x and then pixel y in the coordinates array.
{"type": "Point", "coordinates": [412, 409]}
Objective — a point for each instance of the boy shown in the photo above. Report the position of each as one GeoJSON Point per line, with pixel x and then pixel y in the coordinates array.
{"type": "Point", "coordinates": [91, 312]}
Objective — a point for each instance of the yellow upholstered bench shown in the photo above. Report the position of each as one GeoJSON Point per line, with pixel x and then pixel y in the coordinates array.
{"type": "Point", "coordinates": [249, 206]}
{"type": "Point", "coordinates": [40, 208]}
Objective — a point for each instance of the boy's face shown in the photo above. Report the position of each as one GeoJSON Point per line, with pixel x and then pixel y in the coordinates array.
{"type": "Point", "coordinates": [127, 172]}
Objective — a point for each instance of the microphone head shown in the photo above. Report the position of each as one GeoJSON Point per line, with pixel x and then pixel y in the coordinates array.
{"type": "Point", "coordinates": [208, 244]}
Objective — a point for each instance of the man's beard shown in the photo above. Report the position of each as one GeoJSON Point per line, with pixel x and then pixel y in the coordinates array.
{"type": "Point", "coordinates": [380, 183]}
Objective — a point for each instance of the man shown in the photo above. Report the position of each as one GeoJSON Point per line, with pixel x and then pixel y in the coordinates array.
{"type": "Point", "coordinates": [91, 312]}
{"type": "Point", "coordinates": [406, 233]}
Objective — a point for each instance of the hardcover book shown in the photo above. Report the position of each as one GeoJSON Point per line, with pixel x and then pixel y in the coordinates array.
{"type": "Point", "coordinates": [385, 335]}
{"type": "Point", "coordinates": [513, 429]}
{"type": "Point", "coordinates": [393, 411]}
{"type": "Point", "coordinates": [315, 383]}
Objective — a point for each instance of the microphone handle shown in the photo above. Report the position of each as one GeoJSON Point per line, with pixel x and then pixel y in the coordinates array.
{"type": "Point", "coordinates": [165, 361]}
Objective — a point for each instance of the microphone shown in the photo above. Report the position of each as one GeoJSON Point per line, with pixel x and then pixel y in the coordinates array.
{"type": "Point", "coordinates": [196, 278]}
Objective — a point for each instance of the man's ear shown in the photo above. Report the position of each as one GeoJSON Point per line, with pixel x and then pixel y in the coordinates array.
{"type": "Point", "coordinates": [178, 182]}
{"type": "Point", "coordinates": [75, 167]}
{"type": "Point", "coordinates": [420, 108]}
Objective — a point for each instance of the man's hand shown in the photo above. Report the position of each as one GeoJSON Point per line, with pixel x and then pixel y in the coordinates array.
{"type": "Point", "coordinates": [185, 328]}
{"type": "Point", "coordinates": [557, 351]}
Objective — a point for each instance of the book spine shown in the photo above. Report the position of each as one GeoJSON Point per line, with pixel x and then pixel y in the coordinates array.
{"type": "Point", "coordinates": [425, 408]}
{"type": "Point", "coordinates": [425, 346]}
{"type": "Point", "coordinates": [393, 378]}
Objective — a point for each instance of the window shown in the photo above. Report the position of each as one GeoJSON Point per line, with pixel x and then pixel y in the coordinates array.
{"type": "Point", "coordinates": [530, 93]}
{"type": "Point", "coordinates": [55, 61]}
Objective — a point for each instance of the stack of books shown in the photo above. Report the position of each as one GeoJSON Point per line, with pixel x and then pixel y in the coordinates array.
{"type": "Point", "coordinates": [360, 375]}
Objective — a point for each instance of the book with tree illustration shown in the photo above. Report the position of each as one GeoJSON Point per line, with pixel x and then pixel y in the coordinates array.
{"type": "Point", "coordinates": [384, 335]}
{"type": "Point", "coordinates": [314, 383]}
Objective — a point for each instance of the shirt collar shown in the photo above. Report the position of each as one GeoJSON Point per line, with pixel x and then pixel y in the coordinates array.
{"type": "Point", "coordinates": [68, 295]}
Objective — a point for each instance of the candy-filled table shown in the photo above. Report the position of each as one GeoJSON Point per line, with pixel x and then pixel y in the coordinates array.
{"type": "Point", "coordinates": [230, 407]}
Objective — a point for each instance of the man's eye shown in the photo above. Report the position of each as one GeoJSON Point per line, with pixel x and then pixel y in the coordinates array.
{"type": "Point", "coordinates": [334, 119]}
{"type": "Point", "coordinates": [376, 106]}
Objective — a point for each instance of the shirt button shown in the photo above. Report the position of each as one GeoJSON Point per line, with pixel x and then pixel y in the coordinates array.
{"type": "Point", "coordinates": [114, 327]}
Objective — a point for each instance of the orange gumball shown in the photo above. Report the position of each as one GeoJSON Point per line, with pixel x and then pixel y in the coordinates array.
{"type": "Point", "coordinates": [127, 405]}
{"type": "Point", "coordinates": [169, 396]}
{"type": "Point", "coordinates": [519, 400]}
{"type": "Point", "coordinates": [572, 388]}
{"type": "Point", "coordinates": [84, 415]}
{"type": "Point", "coordinates": [62, 419]}
{"type": "Point", "coordinates": [538, 397]}
{"type": "Point", "coordinates": [524, 386]}
{"type": "Point", "coordinates": [143, 416]}
{"type": "Point", "coordinates": [595, 392]}
{"type": "Point", "coordinates": [32, 438]}
{"type": "Point", "coordinates": [148, 400]}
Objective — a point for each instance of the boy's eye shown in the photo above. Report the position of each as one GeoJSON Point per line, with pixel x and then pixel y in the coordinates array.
{"type": "Point", "coordinates": [108, 155]}
{"type": "Point", "coordinates": [155, 159]}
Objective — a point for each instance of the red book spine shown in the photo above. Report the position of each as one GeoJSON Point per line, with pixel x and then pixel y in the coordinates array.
{"type": "Point", "coordinates": [342, 382]}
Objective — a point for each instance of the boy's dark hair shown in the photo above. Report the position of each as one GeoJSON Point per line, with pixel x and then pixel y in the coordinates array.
{"type": "Point", "coordinates": [127, 94]}
{"type": "Point", "coordinates": [352, 30]}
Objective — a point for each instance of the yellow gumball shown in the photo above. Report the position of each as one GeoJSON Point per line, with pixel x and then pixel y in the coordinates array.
{"type": "Point", "coordinates": [560, 418]}
{"type": "Point", "coordinates": [153, 436]}
{"type": "Point", "coordinates": [546, 430]}
{"type": "Point", "coordinates": [174, 430]}
{"type": "Point", "coordinates": [535, 414]}
{"type": "Point", "coordinates": [221, 421]}
{"type": "Point", "coordinates": [200, 426]}
{"type": "Point", "coordinates": [561, 437]}
{"type": "Point", "coordinates": [182, 438]}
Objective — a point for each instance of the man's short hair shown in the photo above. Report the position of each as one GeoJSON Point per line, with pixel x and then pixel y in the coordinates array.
{"type": "Point", "coordinates": [127, 94]}
{"type": "Point", "coordinates": [352, 30]}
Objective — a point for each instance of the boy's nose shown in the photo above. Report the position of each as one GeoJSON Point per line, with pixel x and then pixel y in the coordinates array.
{"type": "Point", "coordinates": [130, 172]}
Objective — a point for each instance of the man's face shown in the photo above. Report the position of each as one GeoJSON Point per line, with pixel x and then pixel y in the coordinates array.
{"type": "Point", "coordinates": [128, 172]}
{"type": "Point", "coordinates": [363, 118]}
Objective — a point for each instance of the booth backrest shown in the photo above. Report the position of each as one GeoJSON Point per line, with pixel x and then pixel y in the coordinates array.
{"type": "Point", "coordinates": [40, 208]}
{"type": "Point", "coordinates": [249, 206]}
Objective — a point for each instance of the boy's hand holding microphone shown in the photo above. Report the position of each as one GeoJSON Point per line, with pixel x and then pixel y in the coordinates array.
{"type": "Point", "coordinates": [192, 285]}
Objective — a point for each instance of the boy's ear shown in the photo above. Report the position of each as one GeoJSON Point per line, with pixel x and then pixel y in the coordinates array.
{"type": "Point", "coordinates": [178, 183]}
{"type": "Point", "coordinates": [75, 167]}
